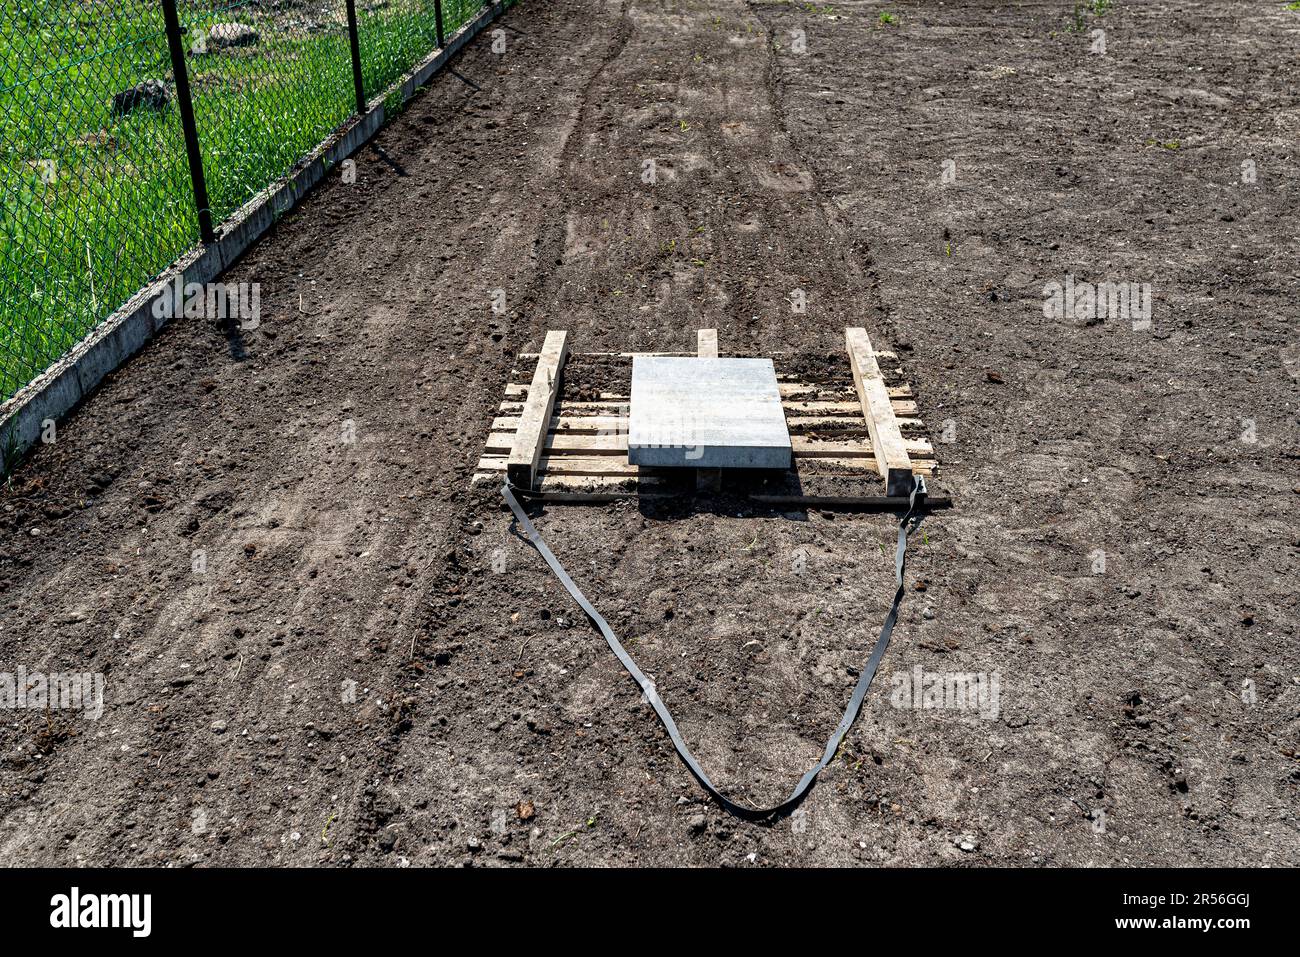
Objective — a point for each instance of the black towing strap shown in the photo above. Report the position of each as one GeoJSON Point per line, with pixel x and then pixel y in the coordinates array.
{"type": "Point", "coordinates": [906, 524]}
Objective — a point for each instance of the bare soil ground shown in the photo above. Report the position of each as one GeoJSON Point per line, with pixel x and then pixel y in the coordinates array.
{"type": "Point", "coordinates": [354, 680]}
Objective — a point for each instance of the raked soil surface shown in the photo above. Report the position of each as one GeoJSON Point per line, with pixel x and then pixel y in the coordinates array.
{"type": "Point", "coordinates": [323, 646]}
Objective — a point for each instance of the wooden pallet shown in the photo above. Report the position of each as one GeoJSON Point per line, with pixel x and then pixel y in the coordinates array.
{"type": "Point", "coordinates": [863, 430]}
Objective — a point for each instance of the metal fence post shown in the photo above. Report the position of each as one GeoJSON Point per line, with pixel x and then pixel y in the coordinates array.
{"type": "Point", "coordinates": [176, 44]}
{"type": "Point", "coordinates": [437, 22]}
{"type": "Point", "coordinates": [354, 38]}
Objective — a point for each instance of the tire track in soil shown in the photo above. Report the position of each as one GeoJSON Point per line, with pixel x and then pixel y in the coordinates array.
{"type": "Point", "coordinates": [549, 247]}
{"type": "Point", "coordinates": [855, 254]}
{"type": "Point", "coordinates": [453, 573]}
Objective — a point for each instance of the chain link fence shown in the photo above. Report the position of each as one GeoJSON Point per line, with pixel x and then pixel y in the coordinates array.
{"type": "Point", "coordinates": [130, 128]}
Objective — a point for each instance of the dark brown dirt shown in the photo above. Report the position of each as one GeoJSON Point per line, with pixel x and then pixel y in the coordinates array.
{"type": "Point", "coordinates": [1148, 711]}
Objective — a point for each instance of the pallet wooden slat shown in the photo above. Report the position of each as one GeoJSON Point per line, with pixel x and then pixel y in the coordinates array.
{"type": "Point", "coordinates": [522, 465]}
{"type": "Point", "coordinates": [577, 424]}
{"type": "Point", "coordinates": [571, 482]}
{"type": "Point", "coordinates": [568, 465]}
{"type": "Point", "coordinates": [619, 423]}
{"type": "Point", "coordinates": [566, 443]}
{"type": "Point", "coordinates": [841, 421]}
{"type": "Point", "coordinates": [588, 444]}
{"type": "Point", "coordinates": [792, 390]}
{"type": "Point", "coordinates": [520, 392]}
{"type": "Point", "coordinates": [568, 405]}
{"type": "Point", "coordinates": [789, 390]}
{"type": "Point", "coordinates": [615, 404]}
{"type": "Point", "coordinates": [902, 390]}
{"type": "Point", "coordinates": [919, 468]}
{"type": "Point", "coordinates": [882, 354]}
{"type": "Point", "coordinates": [822, 448]}
{"type": "Point", "coordinates": [891, 455]}
{"type": "Point", "coordinates": [900, 406]}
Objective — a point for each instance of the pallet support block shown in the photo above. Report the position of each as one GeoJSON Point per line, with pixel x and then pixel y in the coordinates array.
{"type": "Point", "coordinates": [535, 420]}
{"type": "Point", "coordinates": [892, 460]}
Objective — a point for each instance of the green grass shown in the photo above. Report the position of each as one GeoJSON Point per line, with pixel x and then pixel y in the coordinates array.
{"type": "Point", "coordinates": [119, 208]}
{"type": "Point", "coordinates": [1079, 17]}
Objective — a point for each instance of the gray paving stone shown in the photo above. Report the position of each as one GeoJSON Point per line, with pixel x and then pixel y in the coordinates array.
{"type": "Point", "coordinates": [706, 413]}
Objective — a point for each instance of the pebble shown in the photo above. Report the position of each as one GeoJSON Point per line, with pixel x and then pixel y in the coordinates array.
{"type": "Point", "coordinates": [696, 823]}
{"type": "Point", "coordinates": [218, 727]}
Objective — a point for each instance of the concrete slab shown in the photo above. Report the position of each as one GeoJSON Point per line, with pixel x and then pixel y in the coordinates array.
{"type": "Point", "coordinates": [706, 413]}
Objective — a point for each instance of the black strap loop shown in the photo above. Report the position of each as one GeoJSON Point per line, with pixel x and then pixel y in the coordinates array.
{"type": "Point", "coordinates": [906, 524]}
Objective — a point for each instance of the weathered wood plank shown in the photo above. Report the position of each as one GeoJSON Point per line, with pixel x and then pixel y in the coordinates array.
{"type": "Point", "coordinates": [707, 343]}
{"type": "Point", "coordinates": [611, 355]}
{"type": "Point", "coordinates": [795, 385]}
{"type": "Point", "coordinates": [920, 468]}
{"type": "Point", "coordinates": [565, 443]}
{"type": "Point", "coordinates": [776, 357]}
{"type": "Point", "coordinates": [518, 391]}
{"type": "Point", "coordinates": [511, 407]}
{"type": "Point", "coordinates": [900, 406]}
{"type": "Point", "coordinates": [575, 424]}
{"type": "Point", "coordinates": [601, 424]}
{"type": "Point", "coordinates": [840, 421]}
{"type": "Point", "coordinates": [805, 447]}
{"type": "Point", "coordinates": [892, 459]}
{"type": "Point", "coordinates": [905, 407]}
{"type": "Point", "coordinates": [792, 390]}
{"type": "Point", "coordinates": [521, 467]}
{"type": "Point", "coordinates": [569, 482]}
{"type": "Point", "coordinates": [568, 465]}
{"type": "Point", "coordinates": [589, 444]}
